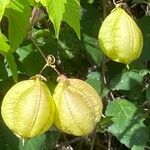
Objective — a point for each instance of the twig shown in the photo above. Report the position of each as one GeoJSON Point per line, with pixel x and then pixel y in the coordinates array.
{"type": "Point", "coordinates": [93, 140]}
{"type": "Point", "coordinates": [112, 96]}
{"type": "Point", "coordinates": [43, 68]}
{"type": "Point", "coordinates": [50, 60]}
{"type": "Point", "coordinates": [103, 71]}
{"type": "Point", "coordinates": [109, 141]}
{"type": "Point", "coordinates": [104, 4]}
{"type": "Point", "coordinates": [37, 47]}
{"type": "Point", "coordinates": [104, 81]}
{"type": "Point", "coordinates": [116, 3]}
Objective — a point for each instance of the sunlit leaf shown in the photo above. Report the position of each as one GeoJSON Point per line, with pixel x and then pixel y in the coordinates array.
{"type": "Point", "coordinates": [12, 65]}
{"type": "Point", "coordinates": [3, 4]}
{"type": "Point", "coordinates": [55, 9]}
{"type": "Point", "coordinates": [72, 15]}
{"type": "Point", "coordinates": [18, 13]}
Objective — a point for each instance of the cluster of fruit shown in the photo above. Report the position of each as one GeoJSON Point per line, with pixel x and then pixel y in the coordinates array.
{"type": "Point", "coordinates": [74, 107]}
{"type": "Point", "coordinates": [29, 109]}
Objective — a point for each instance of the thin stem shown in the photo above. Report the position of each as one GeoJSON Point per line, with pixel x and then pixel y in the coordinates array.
{"type": "Point", "coordinates": [109, 141]}
{"type": "Point", "coordinates": [43, 68]}
{"type": "Point", "coordinates": [112, 96]}
{"type": "Point", "coordinates": [104, 82]}
{"type": "Point", "coordinates": [37, 47]}
{"type": "Point", "coordinates": [93, 140]}
{"type": "Point", "coordinates": [128, 67]}
{"type": "Point", "coordinates": [104, 4]}
{"type": "Point", "coordinates": [117, 3]}
{"type": "Point", "coordinates": [104, 70]}
{"type": "Point", "coordinates": [50, 60]}
{"type": "Point", "coordinates": [114, 2]}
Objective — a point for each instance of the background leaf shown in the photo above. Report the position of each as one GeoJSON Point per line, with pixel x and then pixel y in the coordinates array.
{"type": "Point", "coordinates": [12, 64]}
{"type": "Point", "coordinates": [52, 138]}
{"type": "Point", "coordinates": [3, 72]}
{"type": "Point", "coordinates": [3, 4]}
{"type": "Point", "coordinates": [144, 23]}
{"type": "Point", "coordinates": [90, 24]}
{"type": "Point", "coordinates": [126, 80]}
{"type": "Point", "coordinates": [4, 47]}
{"type": "Point", "coordinates": [55, 9]}
{"type": "Point", "coordinates": [72, 15]}
{"type": "Point", "coordinates": [127, 124]}
{"type": "Point", "coordinates": [18, 13]}
{"type": "Point", "coordinates": [35, 143]}
{"type": "Point", "coordinates": [94, 79]}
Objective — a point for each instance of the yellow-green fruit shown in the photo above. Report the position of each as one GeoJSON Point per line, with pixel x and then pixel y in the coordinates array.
{"type": "Point", "coordinates": [78, 107]}
{"type": "Point", "coordinates": [28, 108]}
{"type": "Point", "coordinates": [120, 38]}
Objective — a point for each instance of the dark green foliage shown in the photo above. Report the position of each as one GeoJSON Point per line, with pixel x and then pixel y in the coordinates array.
{"type": "Point", "coordinates": [69, 32]}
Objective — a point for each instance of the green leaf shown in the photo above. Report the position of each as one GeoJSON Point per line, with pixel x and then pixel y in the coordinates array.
{"type": "Point", "coordinates": [18, 13]}
{"type": "Point", "coordinates": [51, 140]}
{"type": "Point", "coordinates": [32, 2]}
{"type": "Point", "coordinates": [126, 80]}
{"type": "Point", "coordinates": [91, 19]}
{"type": "Point", "coordinates": [72, 15]}
{"type": "Point", "coordinates": [5, 50]}
{"type": "Point", "coordinates": [8, 140]}
{"type": "Point", "coordinates": [144, 26]}
{"type": "Point", "coordinates": [94, 79]}
{"type": "Point", "coordinates": [28, 54]}
{"type": "Point", "coordinates": [69, 44]}
{"type": "Point", "coordinates": [31, 65]}
{"type": "Point", "coordinates": [105, 91]}
{"type": "Point", "coordinates": [12, 64]}
{"type": "Point", "coordinates": [90, 24]}
{"type": "Point", "coordinates": [91, 49]}
{"type": "Point", "coordinates": [4, 47]}
{"type": "Point", "coordinates": [128, 124]}
{"type": "Point", "coordinates": [104, 123]}
{"type": "Point", "coordinates": [3, 4]}
{"type": "Point", "coordinates": [55, 9]}
{"type": "Point", "coordinates": [35, 143]}
{"type": "Point", "coordinates": [3, 72]}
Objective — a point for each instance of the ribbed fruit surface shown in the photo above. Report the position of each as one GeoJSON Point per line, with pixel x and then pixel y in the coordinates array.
{"type": "Point", "coordinates": [78, 107]}
{"type": "Point", "coordinates": [28, 108]}
{"type": "Point", "coordinates": [120, 38]}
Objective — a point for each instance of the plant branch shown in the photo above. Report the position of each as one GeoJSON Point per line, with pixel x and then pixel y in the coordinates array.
{"type": "Point", "coordinates": [93, 140]}
{"type": "Point", "coordinates": [37, 47]}
{"type": "Point", "coordinates": [104, 5]}
{"type": "Point", "coordinates": [50, 59]}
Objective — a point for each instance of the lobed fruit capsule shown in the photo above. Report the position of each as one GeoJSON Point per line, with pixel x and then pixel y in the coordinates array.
{"type": "Point", "coordinates": [78, 106]}
{"type": "Point", "coordinates": [28, 108]}
{"type": "Point", "coordinates": [120, 38]}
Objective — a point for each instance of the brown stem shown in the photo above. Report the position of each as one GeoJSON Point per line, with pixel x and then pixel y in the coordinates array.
{"type": "Point", "coordinates": [50, 60]}
{"type": "Point", "coordinates": [93, 140]}
{"type": "Point", "coordinates": [37, 47]}
{"type": "Point", "coordinates": [109, 141]}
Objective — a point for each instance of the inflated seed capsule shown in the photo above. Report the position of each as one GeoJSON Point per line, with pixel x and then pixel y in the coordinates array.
{"type": "Point", "coordinates": [78, 106]}
{"type": "Point", "coordinates": [28, 108]}
{"type": "Point", "coordinates": [120, 38]}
